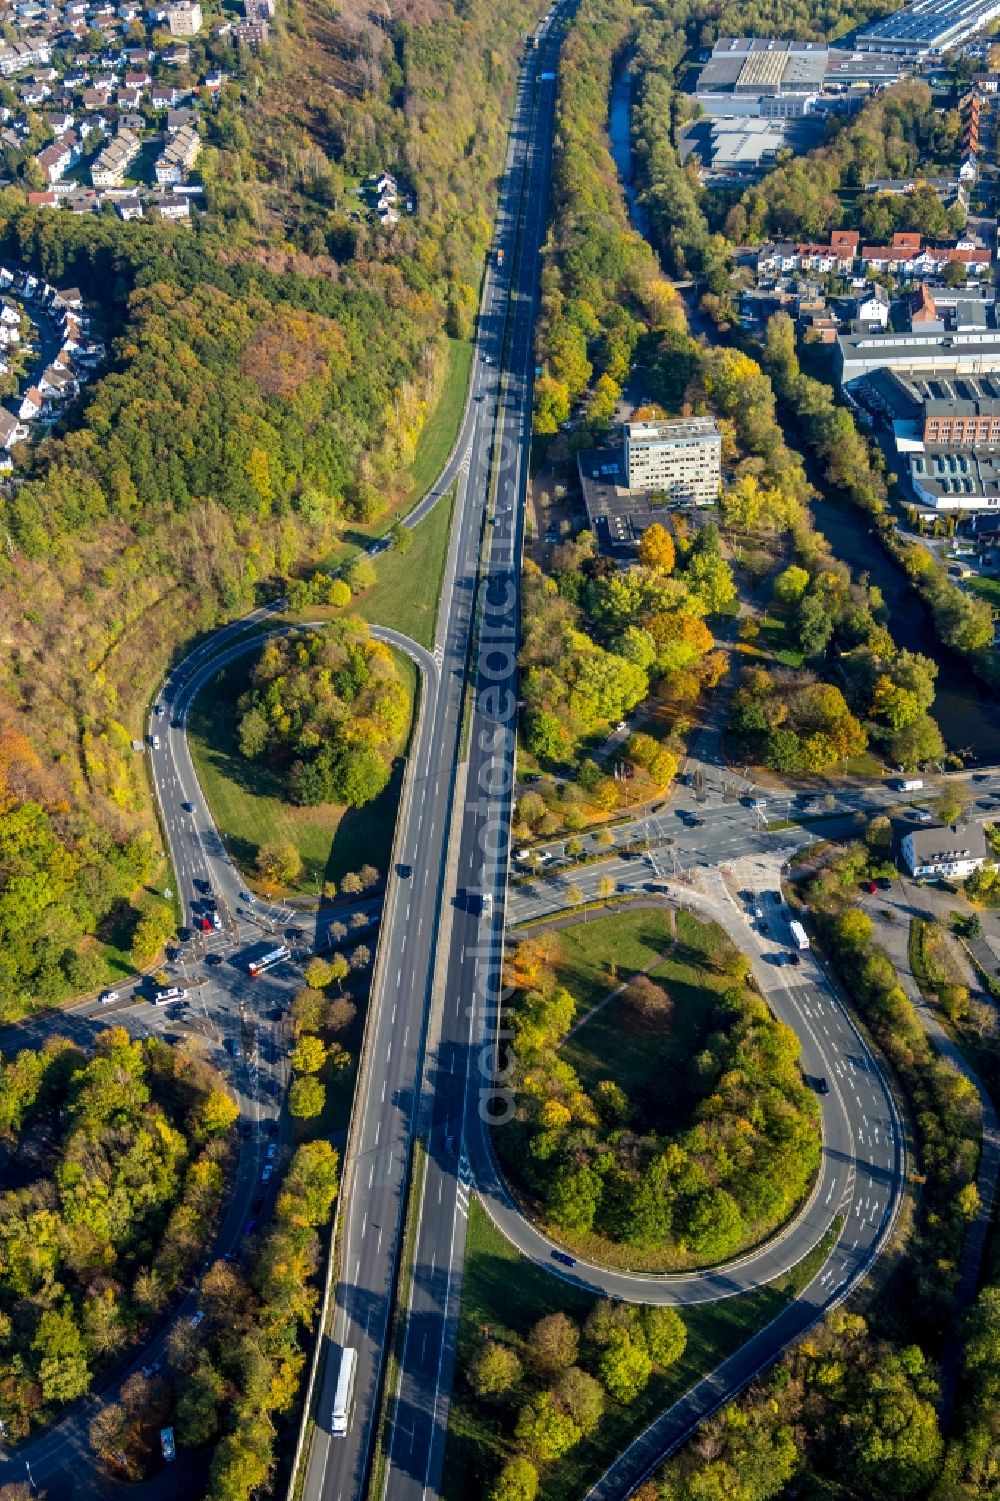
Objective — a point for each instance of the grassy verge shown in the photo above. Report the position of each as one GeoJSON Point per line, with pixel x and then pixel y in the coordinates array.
{"type": "Point", "coordinates": [433, 447]}
{"type": "Point", "coordinates": [247, 800]}
{"type": "Point", "coordinates": [409, 583]}
{"type": "Point", "coordinates": [441, 428]}
{"type": "Point", "coordinates": [692, 960]}
{"type": "Point", "coordinates": [109, 951]}
{"type": "Point", "coordinates": [506, 1295]}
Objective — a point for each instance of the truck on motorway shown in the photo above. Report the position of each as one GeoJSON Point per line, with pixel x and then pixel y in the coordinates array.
{"type": "Point", "coordinates": [800, 937]}
{"type": "Point", "coordinates": [908, 784]}
{"type": "Point", "coordinates": [269, 960]}
{"type": "Point", "coordinates": [340, 1417]}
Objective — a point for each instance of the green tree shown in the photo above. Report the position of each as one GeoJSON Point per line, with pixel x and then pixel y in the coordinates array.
{"type": "Point", "coordinates": [402, 537]}
{"type": "Point", "coordinates": [791, 584]}
{"type": "Point", "coordinates": [216, 1115]}
{"type": "Point", "coordinates": [308, 1056]}
{"type": "Point", "coordinates": [573, 1197]}
{"type": "Point", "coordinates": [278, 864]}
{"type": "Point", "coordinates": [582, 1398]}
{"type": "Point", "coordinates": [517, 1481]}
{"type": "Point", "coordinates": [360, 574]}
{"type": "Point", "coordinates": [494, 1369]}
{"type": "Point", "coordinates": [306, 1098]}
{"type": "Point", "coordinates": [545, 1430]}
{"type": "Point", "coordinates": [318, 974]}
{"type": "Point", "coordinates": [62, 1363]}
{"type": "Point", "coordinates": [666, 1336]}
{"type": "Point", "coordinates": [624, 1366]}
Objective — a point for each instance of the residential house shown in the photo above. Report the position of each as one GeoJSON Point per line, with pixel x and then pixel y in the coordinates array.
{"type": "Point", "coordinates": [171, 206]}
{"type": "Point", "coordinates": [32, 403]}
{"type": "Point", "coordinates": [936, 850]}
{"type": "Point", "coordinates": [129, 208]}
{"type": "Point", "coordinates": [252, 34]}
{"type": "Point", "coordinates": [12, 429]}
{"type": "Point", "coordinates": [109, 168]}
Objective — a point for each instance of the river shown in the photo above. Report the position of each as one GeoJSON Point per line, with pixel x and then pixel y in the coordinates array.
{"type": "Point", "coordinates": [967, 712]}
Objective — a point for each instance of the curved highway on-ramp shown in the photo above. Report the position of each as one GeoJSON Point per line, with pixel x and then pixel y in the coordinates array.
{"type": "Point", "coordinates": [862, 1168]}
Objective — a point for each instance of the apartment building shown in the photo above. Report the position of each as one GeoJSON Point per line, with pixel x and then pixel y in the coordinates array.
{"type": "Point", "coordinates": [184, 18]}
{"type": "Point", "coordinates": [178, 157]}
{"type": "Point", "coordinates": [109, 168]}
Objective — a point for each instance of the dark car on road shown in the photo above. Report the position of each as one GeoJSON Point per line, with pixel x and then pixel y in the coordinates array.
{"type": "Point", "coordinates": [272, 1128]}
{"type": "Point", "coordinates": [404, 871]}
{"type": "Point", "coordinates": [564, 1257]}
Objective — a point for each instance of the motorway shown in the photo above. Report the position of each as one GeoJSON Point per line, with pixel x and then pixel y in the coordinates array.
{"type": "Point", "coordinates": [396, 1096]}
{"type": "Point", "coordinates": [470, 950]}
{"type": "Point", "coordinates": [434, 1066]}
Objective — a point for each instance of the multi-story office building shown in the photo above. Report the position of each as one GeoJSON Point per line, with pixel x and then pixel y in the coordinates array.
{"type": "Point", "coordinates": [682, 459]}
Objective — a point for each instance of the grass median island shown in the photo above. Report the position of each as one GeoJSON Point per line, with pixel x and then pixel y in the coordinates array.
{"type": "Point", "coordinates": [249, 802]}
{"type": "Point", "coordinates": [662, 1122]}
{"type": "Point", "coordinates": [437, 437]}
{"type": "Point", "coordinates": [503, 1298]}
{"type": "Point", "coordinates": [405, 598]}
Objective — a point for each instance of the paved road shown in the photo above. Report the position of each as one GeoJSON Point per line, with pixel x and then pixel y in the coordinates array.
{"type": "Point", "coordinates": [240, 1023]}
{"type": "Point", "coordinates": [467, 993]}
{"type": "Point", "coordinates": [862, 1169]}
{"type": "Point", "coordinates": [395, 1096]}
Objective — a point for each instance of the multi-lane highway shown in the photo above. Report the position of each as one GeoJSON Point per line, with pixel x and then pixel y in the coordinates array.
{"type": "Point", "coordinates": [435, 1063]}
{"type": "Point", "coordinates": [397, 1094]}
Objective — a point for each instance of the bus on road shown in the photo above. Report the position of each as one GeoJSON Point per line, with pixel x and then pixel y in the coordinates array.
{"type": "Point", "coordinates": [268, 961]}
{"type": "Point", "coordinates": [343, 1397]}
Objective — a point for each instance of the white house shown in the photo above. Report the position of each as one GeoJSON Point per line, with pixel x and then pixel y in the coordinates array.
{"type": "Point", "coordinates": [942, 850]}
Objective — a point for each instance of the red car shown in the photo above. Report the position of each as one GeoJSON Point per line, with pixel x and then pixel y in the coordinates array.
{"type": "Point", "coordinates": [871, 888]}
{"type": "Point", "coordinates": [205, 924]}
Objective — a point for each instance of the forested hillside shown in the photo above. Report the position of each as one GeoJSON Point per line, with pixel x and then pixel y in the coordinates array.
{"type": "Point", "coordinates": [269, 377]}
{"type": "Point", "coordinates": [111, 1173]}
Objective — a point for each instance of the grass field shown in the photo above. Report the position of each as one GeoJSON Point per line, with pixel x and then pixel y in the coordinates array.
{"type": "Point", "coordinates": [409, 583]}
{"type": "Point", "coordinates": [653, 1071]}
{"type": "Point", "coordinates": [598, 954]}
{"type": "Point", "coordinates": [441, 428]}
{"type": "Point", "coordinates": [505, 1294]}
{"type": "Point", "coordinates": [247, 799]}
